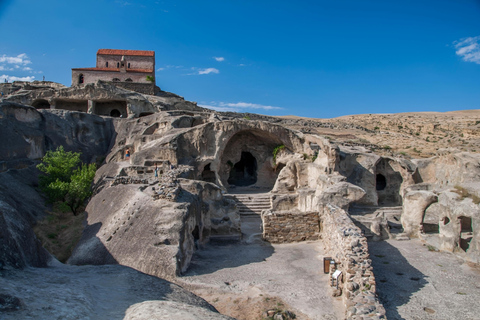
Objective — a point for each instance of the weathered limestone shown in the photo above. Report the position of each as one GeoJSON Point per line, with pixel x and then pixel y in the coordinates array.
{"type": "Point", "coordinates": [154, 228]}
{"type": "Point", "coordinates": [101, 98]}
{"type": "Point", "coordinates": [172, 310]}
{"type": "Point", "coordinates": [415, 203]}
{"type": "Point", "coordinates": [341, 194]}
{"type": "Point", "coordinates": [457, 225]}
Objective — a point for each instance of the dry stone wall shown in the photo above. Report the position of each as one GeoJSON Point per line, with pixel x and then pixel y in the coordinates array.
{"type": "Point", "coordinates": [290, 226]}
{"type": "Point", "coordinates": [349, 249]}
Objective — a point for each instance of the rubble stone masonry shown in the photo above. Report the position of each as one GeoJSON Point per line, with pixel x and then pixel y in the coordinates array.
{"type": "Point", "coordinates": [290, 226]}
{"type": "Point", "coordinates": [348, 247]}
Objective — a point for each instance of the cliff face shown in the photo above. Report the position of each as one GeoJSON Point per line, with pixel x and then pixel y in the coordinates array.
{"type": "Point", "coordinates": [26, 134]}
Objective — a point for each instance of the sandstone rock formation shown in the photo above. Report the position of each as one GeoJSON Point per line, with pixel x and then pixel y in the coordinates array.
{"type": "Point", "coordinates": [340, 192]}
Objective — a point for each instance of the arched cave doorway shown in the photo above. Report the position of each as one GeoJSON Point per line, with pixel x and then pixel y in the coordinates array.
{"type": "Point", "coordinates": [41, 104]}
{"type": "Point", "coordinates": [115, 113]}
{"type": "Point", "coordinates": [388, 183]}
{"type": "Point", "coordinates": [244, 172]}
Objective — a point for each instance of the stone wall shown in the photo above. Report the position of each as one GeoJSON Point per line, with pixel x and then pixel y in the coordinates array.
{"type": "Point", "coordinates": [290, 226]}
{"type": "Point", "coordinates": [136, 62]}
{"type": "Point", "coordinates": [92, 76]}
{"type": "Point", "coordinates": [349, 249]}
{"type": "Point", "coordinates": [145, 88]}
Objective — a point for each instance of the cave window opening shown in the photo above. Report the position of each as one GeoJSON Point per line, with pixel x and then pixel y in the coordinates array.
{"type": "Point", "coordinates": [115, 113]}
{"type": "Point", "coordinates": [381, 182]}
{"type": "Point", "coordinates": [446, 221]}
{"type": "Point", "coordinates": [244, 172]}
{"type": "Point", "coordinates": [106, 64]}
{"type": "Point", "coordinates": [466, 232]}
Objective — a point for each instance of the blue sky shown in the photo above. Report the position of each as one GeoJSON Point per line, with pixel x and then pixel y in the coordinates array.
{"type": "Point", "coordinates": [319, 59]}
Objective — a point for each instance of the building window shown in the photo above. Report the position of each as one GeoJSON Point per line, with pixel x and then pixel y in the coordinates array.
{"type": "Point", "coordinates": [118, 64]}
{"type": "Point", "coordinates": [128, 80]}
{"type": "Point", "coordinates": [80, 79]}
{"type": "Point", "coordinates": [115, 80]}
{"type": "Point", "coordinates": [129, 65]}
{"type": "Point", "coordinates": [106, 64]}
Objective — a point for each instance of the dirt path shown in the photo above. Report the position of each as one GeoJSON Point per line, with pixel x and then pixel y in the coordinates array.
{"type": "Point", "coordinates": [415, 283]}
{"type": "Point", "coordinates": [243, 280]}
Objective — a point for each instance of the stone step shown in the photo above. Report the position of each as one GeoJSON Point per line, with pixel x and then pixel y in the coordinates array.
{"type": "Point", "coordinates": [251, 205]}
{"type": "Point", "coordinates": [402, 237]}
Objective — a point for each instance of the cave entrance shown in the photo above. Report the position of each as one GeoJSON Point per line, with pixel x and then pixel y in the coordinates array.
{"type": "Point", "coordinates": [466, 232]}
{"type": "Point", "coordinates": [244, 172]}
{"type": "Point", "coordinates": [388, 183]}
{"type": "Point", "coordinates": [41, 104]}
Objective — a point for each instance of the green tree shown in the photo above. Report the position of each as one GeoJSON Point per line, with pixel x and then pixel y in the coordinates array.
{"type": "Point", "coordinates": [66, 180]}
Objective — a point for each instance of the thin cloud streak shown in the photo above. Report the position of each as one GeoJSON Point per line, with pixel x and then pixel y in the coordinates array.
{"type": "Point", "coordinates": [219, 59]}
{"type": "Point", "coordinates": [237, 107]}
{"type": "Point", "coordinates": [468, 49]}
{"type": "Point", "coordinates": [243, 105]}
{"type": "Point", "coordinates": [208, 71]}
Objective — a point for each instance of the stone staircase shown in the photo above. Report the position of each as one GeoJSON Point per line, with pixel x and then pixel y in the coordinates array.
{"type": "Point", "coordinates": [365, 216]}
{"type": "Point", "coordinates": [252, 204]}
{"type": "Point", "coordinates": [250, 207]}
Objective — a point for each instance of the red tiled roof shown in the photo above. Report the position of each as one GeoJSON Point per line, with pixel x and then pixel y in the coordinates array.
{"type": "Point", "coordinates": [114, 70]}
{"type": "Point", "coordinates": [117, 52]}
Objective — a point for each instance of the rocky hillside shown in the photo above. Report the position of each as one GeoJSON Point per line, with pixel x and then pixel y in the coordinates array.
{"type": "Point", "coordinates": [411, 135]}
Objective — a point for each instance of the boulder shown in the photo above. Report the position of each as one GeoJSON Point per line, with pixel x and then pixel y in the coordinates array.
{"type": "Point", "coordinates": [340, 194]}
{"type": "Point", "coordinates": [165, 310]}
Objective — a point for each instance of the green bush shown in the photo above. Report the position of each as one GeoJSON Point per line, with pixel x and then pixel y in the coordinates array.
{"type": "Point", "coordinates": [66, 181]}
{"type": "Point", "coordinates": [276, 151]}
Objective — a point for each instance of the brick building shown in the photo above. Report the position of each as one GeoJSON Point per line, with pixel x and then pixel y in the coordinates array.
{"type": "Point", "coordinates": [130, 69]}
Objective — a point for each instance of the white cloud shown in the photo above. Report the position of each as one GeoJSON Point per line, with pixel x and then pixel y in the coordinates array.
{"type": "Point", "coordinates": [236, 107]}
{"type": "Point", "coordinates": [208, 71]}
{"type": "Point", "coordinates": [27, 69]}
{"type": "Point", "coordinates": [219, 59]}
{"type": "Point", "coordinates": [468, 49]}
{"type": "Point", "coordinates": [21, 59]}
{"type": "Point", "coordinates": [244, 105]}
{"type": "Point", "coordinates": [3, 68]}
{"type": "Point", "coordinates": [14, 78]}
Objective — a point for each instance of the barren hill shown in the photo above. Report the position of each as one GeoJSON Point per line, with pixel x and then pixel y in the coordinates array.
{"type": "Point", "coordinates": [412, 135]}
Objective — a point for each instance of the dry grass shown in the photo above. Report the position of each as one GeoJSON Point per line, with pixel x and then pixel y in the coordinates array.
{"type": "Point", "coordinates": [59, 232]}
{"type": "Point", "coordinates": [464, 193]}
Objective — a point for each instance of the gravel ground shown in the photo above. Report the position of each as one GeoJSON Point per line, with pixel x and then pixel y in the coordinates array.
{"type": "Point", "coordinates": [415, 283]}
{"type": "Point", "coordinates": [292, 273]}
